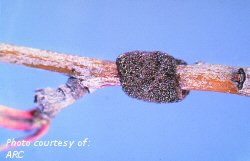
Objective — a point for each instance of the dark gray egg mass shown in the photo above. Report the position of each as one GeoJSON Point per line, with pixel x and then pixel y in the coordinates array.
{"type": "Point", "coordinates": [150, 76]}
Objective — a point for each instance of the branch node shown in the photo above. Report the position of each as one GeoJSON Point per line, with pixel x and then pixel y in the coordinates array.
{"type": "Point", "coordinates": [52, 101]}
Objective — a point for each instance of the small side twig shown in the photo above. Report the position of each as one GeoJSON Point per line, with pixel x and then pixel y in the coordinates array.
{"type": "Point", "coordinates": [52, 101]}
{"type": "Point", "coordinates": [49, 103]}
{"type": "Point", "coordinates": [24, 121]}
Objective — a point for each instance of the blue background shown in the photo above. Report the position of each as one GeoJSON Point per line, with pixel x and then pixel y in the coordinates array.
{"type": "Point", "coordinates": [205, 126]}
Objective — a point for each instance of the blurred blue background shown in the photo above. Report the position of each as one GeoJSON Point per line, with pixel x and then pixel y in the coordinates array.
{"type": "Point", "coordinates": [205, 126]}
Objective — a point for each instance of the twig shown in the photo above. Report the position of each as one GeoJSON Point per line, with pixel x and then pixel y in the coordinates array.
{"type": "Point", "coordinates": [24, 121]}
{"type": "Point", "coordinates": [216, 78]}
{"type": "Point", "coordinates": [87, 75]}
{"type": "Point", "coordinates": [19, 114]}
{"type": "Point", "coordinates": [95, 73]}
{"type": "Point", "coordinates": [33, 137]}
{"type": "Point", "coordinates": [50, 103]}
{"type": "Point", "coordinates": [17, 119]}
{"type": "Point", "coordinates": [98, 73]}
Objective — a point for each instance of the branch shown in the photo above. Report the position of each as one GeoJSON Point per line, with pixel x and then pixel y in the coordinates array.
{"type": "Point", "coordinates": [99, 73]}
{"type": "Point", "coordinates": [24, 121]}
{"type": "Point", "coordinates": [96, 73]}
{"type": "Point", "coordinates": [87, 75]}
{"type": "Point", "coordinates": [215, 78]}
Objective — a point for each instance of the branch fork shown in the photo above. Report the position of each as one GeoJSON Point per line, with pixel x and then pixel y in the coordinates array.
{"type": "Point", "coordinates": [87, 75]}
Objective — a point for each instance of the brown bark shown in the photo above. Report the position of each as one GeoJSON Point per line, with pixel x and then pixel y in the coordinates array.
{"type": "Point", "coordinates": [99, 73]}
